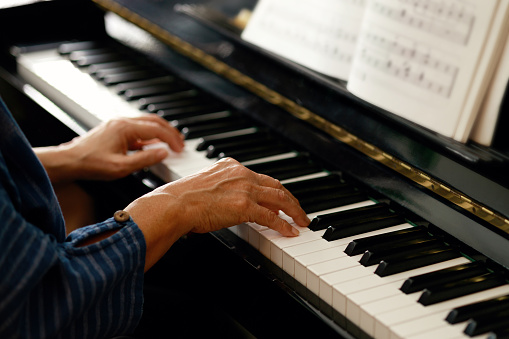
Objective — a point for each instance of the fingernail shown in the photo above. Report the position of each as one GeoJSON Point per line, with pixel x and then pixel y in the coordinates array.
{"type": "Point", "coordinates": [295, 231]}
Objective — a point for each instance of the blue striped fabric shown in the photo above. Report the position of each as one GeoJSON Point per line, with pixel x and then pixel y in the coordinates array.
{"type": "Point", "coordinates": [49, 287]}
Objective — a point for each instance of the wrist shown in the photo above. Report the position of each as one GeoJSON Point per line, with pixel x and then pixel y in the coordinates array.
{"type": "Point", "coordinates": [158, 216]}
{"type": "Point", "coordinates": [59, 162]}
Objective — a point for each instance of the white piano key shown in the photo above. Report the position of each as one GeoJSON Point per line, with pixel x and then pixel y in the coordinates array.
{"type": "Point", "coordinates": [315, 271]}
{"type": "Point", "coordinates": [316, 264]}
{"type": "Point", "coordinates": [266, 237]}
{"type": "Point", "coordinates": [234, 229]}
{"type": "Point", "coordinates": [278, 244]}
{"type": "Point", "coordinates": [189, 161]}
{"type": "Point", "coordinates": [369, 311]}
{"type": "Point", "coordinates": [303, 261]}
{"type": "Point", "coordinates": [243, 231]}
{"type": "Point", "coordinates": [291, 252]}
{"type": "Point", "coordinates": [446, 331]}
{"type": "Point", "coordinates": [336, 277]}
{"type": "Point", "coordinates": [406, 321]}
{"type": "Point", "coordinates": [330, 279]}
{"type": "Point", "coordinates": [382, 292]}
{"type": "Point", "coordinates": [342, 292]}
{"type": "Point", "coordinates": [50, 73]}
{"type": "Point", "coordinates": [270, 158]}
{"type": "Point", "coordinates": [254, 234]}
{"type": "Point", "coordinates": [341, 208]}
{"type": "Point", "coordinates": [305, 177]}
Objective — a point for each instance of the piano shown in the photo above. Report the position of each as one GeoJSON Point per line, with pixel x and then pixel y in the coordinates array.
{"type": "Point", "coordinates": [410, 230]}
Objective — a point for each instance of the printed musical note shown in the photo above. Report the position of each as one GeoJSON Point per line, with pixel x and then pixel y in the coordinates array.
{"type": "Point", "coordinates": [449, 21]}
{"type": "Point", "coordinates": [316, 34]}
{"type": "Point", "coordinates": [409, 61]}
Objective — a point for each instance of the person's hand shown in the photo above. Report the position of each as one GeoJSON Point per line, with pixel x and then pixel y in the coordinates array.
{"type": "Point", "coordinates": [103, 152]}
{"type": "Point", "coordinates": [223, 195]}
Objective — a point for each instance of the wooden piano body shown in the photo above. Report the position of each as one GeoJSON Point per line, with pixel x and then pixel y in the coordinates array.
{"type": "Point", "coordinates": [461, 189]}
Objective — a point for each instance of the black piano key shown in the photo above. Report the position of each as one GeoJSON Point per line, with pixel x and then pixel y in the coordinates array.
{"type": "Point", "coordinates": [232, 143]}
{"type": "Point", "coordinates": [68, 47]}
{"type": "Point", "coordinates": [88, 60]}
{"type": "Point", "coordinates": [260, 140]}
{"type": "Point", "coordinates": [488, 323]}
{"type": "Point", "coordinates": [321, 222]}
{"type": "Point", "coordinates": [204, 119]}
{"type": "Point", "coordinates": [416, 260]}
{"type": "Point", "coordinates": [276, 167]}
{"type": "Point", "coordinates": [213, 140]}
{"type": "Point", "coordinates": [287, 168]}
{"type": "Point", "coordinates": [194, 101]}
{"type": "Point", "coordinates": [143, 103]}
{"type": "Point", "coordinates": [308, 186]}
{"type": "Point", "coordinates": [100, 74]}
{"type": "Point", "coordinates": [187, 112]}
{"type": "Point", "coordinates": [94, 69]}
{"type": "Point", "coordinates": [319, 194]}
{"type": "Point", "coordinates": [257, 152]}
{"type": "Point", "coordinates": [374, 256]}
{"type": "Point", "coordinates": [499, 333]}
{"type": "Point", "coordinates": [327, 193]}
{"type": "Point", "coordinates": [442, 292]}
{"type": "Point", "coordinates": [141, 92]}
{"type": "Point", "coordinates": [447, 275]}
{"type": "Point", "coordinates": [115, 79]}
{"type": "Point", "coordinates": [485, 307]}
{"type": "Point", "coordinates": [296, 171]}
{"type": "Point", "coordinates": [355, 227]}
{"type": "Point", "coordinates": [359, 246]}
{"type": "Point", "coordinates": [120, 88]}
{"type": "Point", "coordinates": [76, 55]}
{"type": "Point", "coordinates": [342, 198]}
{"type": "Point", "coordinates": [227, 124]}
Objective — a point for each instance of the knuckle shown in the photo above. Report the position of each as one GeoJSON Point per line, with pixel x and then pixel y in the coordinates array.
{"type": "Point", "coordinates": [117, 124]}
{"type": "Point", "coordinates": [281, 195]}
{"type": "Point", "coordinates": [243, 202]}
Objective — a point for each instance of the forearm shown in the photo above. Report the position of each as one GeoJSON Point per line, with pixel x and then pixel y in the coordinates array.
{"type": "Point", "coordinates": [59, 162]}
{"type": "Point", "coordinates": [159, 217]}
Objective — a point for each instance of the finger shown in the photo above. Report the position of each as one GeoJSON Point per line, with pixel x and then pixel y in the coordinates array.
{"type": "Point", "coordinates": [266, 217]}
{"type": "Point", "coordinates": [147, 130]}
{"type": "Point", "coordinates": [151, 117]}
{"type": "Point", "coordinates": [141, 159]}
{"type": "Point", "coordinates": [268, 181]}
{"type": "Point", "coordinates": [278, 199]}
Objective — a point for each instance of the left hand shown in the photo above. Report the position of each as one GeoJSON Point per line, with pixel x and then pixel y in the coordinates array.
{"type": "Point", "coordinates": [102, 153]}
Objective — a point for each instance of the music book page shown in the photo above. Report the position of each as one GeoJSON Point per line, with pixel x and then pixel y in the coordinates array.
{"type": "Point", "coordinates": [318, 34]}
{"type": "Point", "coordinates": [486, 122]}
{"type": "Point", "coordinates": [428, 61]}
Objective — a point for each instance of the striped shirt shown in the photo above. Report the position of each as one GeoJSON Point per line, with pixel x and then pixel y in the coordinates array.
{"type": "Point", "coordinates": [50, 287]}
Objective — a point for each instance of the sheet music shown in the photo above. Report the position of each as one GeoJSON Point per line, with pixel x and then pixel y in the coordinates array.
{"type": "Point", "coordinates": [418, 59]}
{"type": "Point", "coordinates": [319, 34]}
{"type": "Point", "coordinates": [487, 120]}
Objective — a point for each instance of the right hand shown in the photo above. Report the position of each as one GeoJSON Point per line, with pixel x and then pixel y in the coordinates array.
{"type": "Point", "coordinates": [223, 195]}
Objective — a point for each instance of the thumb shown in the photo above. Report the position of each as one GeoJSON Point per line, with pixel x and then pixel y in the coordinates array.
{"type": "Point", "coordinates": [145, 158]}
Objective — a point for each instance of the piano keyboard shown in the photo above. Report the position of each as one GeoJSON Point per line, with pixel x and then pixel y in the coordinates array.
{"type": "Point", "coordinates": [360, 262]}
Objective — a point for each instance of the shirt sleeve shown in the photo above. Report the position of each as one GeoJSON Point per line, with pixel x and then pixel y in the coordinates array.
{"type": "Point", "coordinates": [58, 289]}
